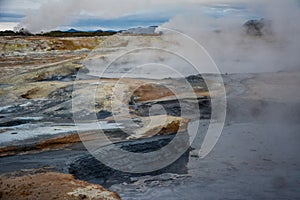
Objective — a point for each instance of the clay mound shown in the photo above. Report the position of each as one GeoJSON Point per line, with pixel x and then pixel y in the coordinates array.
{"type": "Point", "coordinates": [50, 185]}
{"type": "Point", "coordinates": [150, 92]}
{"type": "Point", "coordinates": [160, 125]}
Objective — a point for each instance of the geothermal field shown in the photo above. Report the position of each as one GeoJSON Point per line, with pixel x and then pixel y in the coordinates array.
{"type": "Point", "coordinates": [190, 109]}
{"type": "Point", "coordinates": [256, 155]}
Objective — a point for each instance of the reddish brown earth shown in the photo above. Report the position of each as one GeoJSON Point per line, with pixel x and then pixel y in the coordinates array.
{"type": "Point", "coordinates": [50, 144]}
{"type": "Point", "coordinates": [50, 185]}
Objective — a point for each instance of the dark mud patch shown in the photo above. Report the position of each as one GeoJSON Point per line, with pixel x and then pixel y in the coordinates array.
{"type": "Point", "coordinates": [13, 123]}
{"type": "Point", "coordinates": [177, 108]}
{"type": "Point", "coordinates": [62, 93]}
{"type": "Point", "coordinates": [17, 122]}
{"type": "Point", "coordinates": [90, 169]}
{"type": "Point", "coordinates": [102, 114]}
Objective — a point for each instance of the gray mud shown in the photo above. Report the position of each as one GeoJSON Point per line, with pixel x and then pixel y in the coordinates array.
{"type": "Point", "coordinates": [256, 157]}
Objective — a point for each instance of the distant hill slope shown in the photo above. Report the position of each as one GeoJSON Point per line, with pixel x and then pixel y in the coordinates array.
{"type": "Point", "coordinates": [79, 33]}
{"type": "Point", "coordinates": [58, 33]}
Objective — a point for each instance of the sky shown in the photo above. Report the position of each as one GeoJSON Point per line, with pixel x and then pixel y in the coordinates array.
{"type": "Point", "coordinates": [44, 15]}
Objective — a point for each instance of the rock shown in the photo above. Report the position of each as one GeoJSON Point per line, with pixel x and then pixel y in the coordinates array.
{"type": "Point", "coordinates": [258, 27]}
{"type": "Point", "coordinates": [141, 30]}
{"type": "Point", "coordinates": [102, 114]}
{"type": "Point", "coordinates": [160, 125]}
{"type": "Point", "coordinates": [150, 92]}
{"type": "Point", "coordinates": [50, 185]}
{"type": "Point", "coordinates": [24, 32]}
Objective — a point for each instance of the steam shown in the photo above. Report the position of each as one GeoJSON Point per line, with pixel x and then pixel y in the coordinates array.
{"type": "Point", "coordinates": [55, 13]}
{"type": "Point", "coordinates": [234, 51]}
{"type": "Point", "coordinates": [224, 38]}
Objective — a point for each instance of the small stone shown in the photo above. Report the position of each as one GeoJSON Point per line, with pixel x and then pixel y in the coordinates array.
{"type": "Point", "coordinates": [82, 196]}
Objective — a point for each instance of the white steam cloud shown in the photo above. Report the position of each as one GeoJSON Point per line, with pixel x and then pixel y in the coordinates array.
{"type": "Point", "coordinates": [236, 52]}
{"type": "Point", "coordinates": [230, 47]}
{"type": "Point", "coordinates": [55, 13]}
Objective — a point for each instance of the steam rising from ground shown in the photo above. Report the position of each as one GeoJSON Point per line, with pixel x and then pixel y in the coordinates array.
{"type": "Point", "coordinates": [55, 13]}
{"type": "Point", "coordinates": [234, 51]}
{"type": "Point", "coordinates": [223, 38]}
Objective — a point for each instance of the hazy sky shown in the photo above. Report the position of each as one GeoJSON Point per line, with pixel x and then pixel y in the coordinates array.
{"type": "Point", "coordinates": [112, 14]}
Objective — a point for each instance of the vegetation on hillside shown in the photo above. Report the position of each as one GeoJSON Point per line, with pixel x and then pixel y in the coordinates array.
{"type": "Point", "coordinates": [23, 32]}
